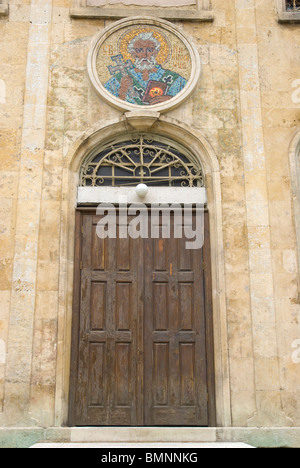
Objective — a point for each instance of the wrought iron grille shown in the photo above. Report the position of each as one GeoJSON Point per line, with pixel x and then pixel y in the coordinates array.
{"type": "Point", "coordinates": [292, 5]}
{"type": "Point", "coordinates": [141, 159]}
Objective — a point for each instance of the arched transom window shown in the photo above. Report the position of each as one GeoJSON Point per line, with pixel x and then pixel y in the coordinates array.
{"type": "Point", "coordinates": [141, 158]}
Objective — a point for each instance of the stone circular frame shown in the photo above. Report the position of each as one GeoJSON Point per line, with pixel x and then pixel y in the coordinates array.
{"type": "Point", "coordinates": [143, 63]}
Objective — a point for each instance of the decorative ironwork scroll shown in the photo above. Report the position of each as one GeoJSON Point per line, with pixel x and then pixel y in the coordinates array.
{"type": "Point", "coordinates": [141, 159]}
{"type": "Point", "coordinates": [292, 5]}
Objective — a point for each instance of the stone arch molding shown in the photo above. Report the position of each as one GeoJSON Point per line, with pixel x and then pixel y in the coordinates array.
{"type": "Point", "coordinates": [143, 121]}
{"type": "Point", "coordinates": [178, 132]}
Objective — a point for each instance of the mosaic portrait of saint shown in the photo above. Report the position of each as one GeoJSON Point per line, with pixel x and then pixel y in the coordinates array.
{"type": "Point", "coordinates": [139, 74]}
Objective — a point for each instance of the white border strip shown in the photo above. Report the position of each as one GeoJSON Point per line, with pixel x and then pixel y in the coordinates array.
{"type": "Point", "coordinates": [156, 195]}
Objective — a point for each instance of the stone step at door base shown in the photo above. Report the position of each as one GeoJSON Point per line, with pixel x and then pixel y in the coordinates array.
{"type": "Point", "coordinates": [141, 437]}
{"type": "Point", "coordinates": [152, 446]}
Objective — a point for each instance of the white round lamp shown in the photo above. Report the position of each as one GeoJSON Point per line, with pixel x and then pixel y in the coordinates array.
{"type": "Point", "coordinates": [142, 190]}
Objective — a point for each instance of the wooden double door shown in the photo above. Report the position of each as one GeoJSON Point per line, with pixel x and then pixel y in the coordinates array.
{"type": "Point", "coordinates": [142, 352]}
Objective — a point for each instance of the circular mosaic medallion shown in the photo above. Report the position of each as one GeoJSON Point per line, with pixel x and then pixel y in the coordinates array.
{"type": "Point", "coordinates": [143, 62]}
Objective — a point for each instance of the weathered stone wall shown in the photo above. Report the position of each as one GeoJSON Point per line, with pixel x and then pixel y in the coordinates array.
{"type": "Point", "coordinates": [13, 53]}
{"type": "Point", "coordinates": [247, 108]}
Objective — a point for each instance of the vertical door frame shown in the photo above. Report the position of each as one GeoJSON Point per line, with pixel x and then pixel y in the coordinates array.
{"type": "Point", "coordinates": [76, 315]}
{"type": "Point", "coordinates": [209, 326]}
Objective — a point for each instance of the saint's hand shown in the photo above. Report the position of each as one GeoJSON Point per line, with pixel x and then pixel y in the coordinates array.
{"type": "Point", "coordinates": [126, 83]}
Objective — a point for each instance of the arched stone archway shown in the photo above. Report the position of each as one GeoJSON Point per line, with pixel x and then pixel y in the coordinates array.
{"type": "Point", "coordinates": [201, 149]}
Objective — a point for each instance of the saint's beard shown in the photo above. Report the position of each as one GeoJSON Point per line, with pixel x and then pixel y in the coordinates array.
{"type": "Point", "coordinates": [145, 64]}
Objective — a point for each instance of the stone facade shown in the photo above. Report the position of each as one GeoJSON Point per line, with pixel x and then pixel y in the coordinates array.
{"type": "Point", "coordinates": [245, 116]}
